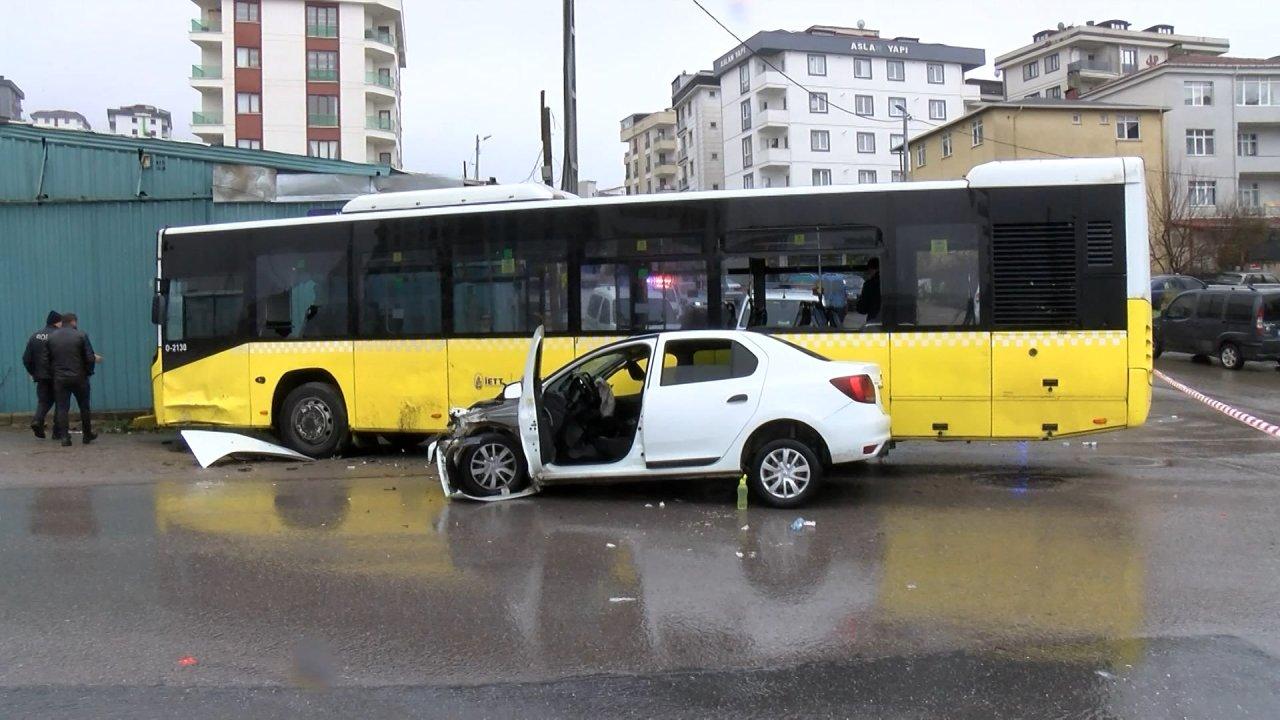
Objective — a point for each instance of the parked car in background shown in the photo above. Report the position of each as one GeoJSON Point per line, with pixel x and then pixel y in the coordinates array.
{"type": "Point", "coordinates": [691, 404]}
{"type": "Point", "coordinates": [1247, 277]}
{"type": "Point", "coordinates": [1235, 323]}
{"type": "Point", "coordinates": [1165, 288]}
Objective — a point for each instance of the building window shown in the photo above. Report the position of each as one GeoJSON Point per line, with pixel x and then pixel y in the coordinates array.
{"type": "Point", "coordinates": [1075, 118]}
{"type": "Point", "coordinates": [1200, 142]}
{"type": "Point", "coordinates": [864, 105]}
{"type": "Point", "coordinates": [1126, 126]}
{"type": "Point", "coordinates": [866, 142]}
{"type": "Point", "coordinates": [713, 123]}
{"type": "Point", "coordinates": [820, 140]}
{"type": "Point", "coordinates": [975, 130]}
{"type": "Point", "coordinates": [817, 102]}
{"type": "Point", "coordinates": [937, 109]}
{"type": "Point", "coordinates": [821, 176]}
{"type": "Point", "coordinates": [746, 151]}
{"type": "Point", "coordinates": [248, 144]}
{"type": "Point", "coordinates": [1031, 70]}
{"type": "Point", "coordinates": [895, 143]}
{"type": "Point", "coordinates": [817, 64]}
{"type": "Point", "coordinates": [322, 110]}
{"type": "Point", "coordinates": [715, 156]}
{"type": "Point", "coordinates": [862, 68]}
{"type": "Point", "coordinates": [712, 93]}
{"type": "Point", "coordinates": [946, 144]}
{"type": "Point", "coordinates": [937, 75]}
{"type": "Point", "coordinates": [1028, 96]}
{"type": "Point", "coordinates": [1102, 118]}
{"type": "Point", "coordinates": [1247, 144]}
{"type": "Point", "coordinates": [247, 57]}
{"type": "Point", "coordinates": [1197, 92]}
{"type": "Point", "coordinates": [322, 21]}
{"type": "Point", "coordinates": [748, 181]}
{"type": "Point", "coordinates": [897, 107]}
{"type": "Point", "coordinates": [1053, 92]}
{"type": "Point", "coordinates": [1258, 91]}
{"type": "Point", "coordinates": [1128, 60]}
{"type": "Point", "coordinates": [1051, 63]}
{"type": "Point", "coordinates": [323, 65]}
{"type": "Point", "coordinates": [246, 11]}
{"type": "Point", "coordinates": [920, 155]}
{"type": "Point", "coordinates": [1202, 193]}
{"type": "Point", "coordinates": [327, 149]}
{"type": "Point", "coordinates": [745, 109]}
{"type": "Point", "coordinates": [866, 177]}
{"type": "Point", "coordinates": [896, 70]}
{"type": "Point", "coordinates": [248, 103]}
{"type": "Point", "coordinates": [1250, 197]}
{"type": "Point", "coordinates": [895, 176]}
{"type": "Point", "coordinates": [744, 78]}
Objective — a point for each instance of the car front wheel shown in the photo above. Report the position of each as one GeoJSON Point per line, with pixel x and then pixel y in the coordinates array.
{"type": "Point", "coordinates": [1230, 356]}
{"type": "Point", "coordinates": [785, 473]}
{"type": "Point", "coordinates": [494, 465]}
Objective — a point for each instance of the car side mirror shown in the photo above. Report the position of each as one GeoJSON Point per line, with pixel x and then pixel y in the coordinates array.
{"type": "Point", "coordinates": [159, 308]}
{"type": "Point", "coordinates": [511, 391]}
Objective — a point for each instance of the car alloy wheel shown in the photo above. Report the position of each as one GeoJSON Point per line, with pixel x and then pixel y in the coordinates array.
{"type": "Point", "coordinates": [493, 466]}
{"type": "Point", "coordinates": [1230, 357]}
{"type": "Point", "coordinates": [785, 473]}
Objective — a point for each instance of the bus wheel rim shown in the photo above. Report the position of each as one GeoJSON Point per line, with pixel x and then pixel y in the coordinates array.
{"type": "Point", "coordinates": [313, 421]}
{"type": "Point", "coordinates": [493, 466]}
{"type": "Point", "coordinates": [785, 473]}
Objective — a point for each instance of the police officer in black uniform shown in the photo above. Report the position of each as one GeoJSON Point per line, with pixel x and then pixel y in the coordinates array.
{"type": "Point", "coordinates": [73, 360]}
{"type": "Point", "coordinates": [36, 360]}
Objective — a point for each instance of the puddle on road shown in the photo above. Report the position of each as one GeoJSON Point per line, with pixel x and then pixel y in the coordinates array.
{"type": "Point", "coordinates": [1127, 461]}
{"type": "Point", "coordinates": [1021, 479]}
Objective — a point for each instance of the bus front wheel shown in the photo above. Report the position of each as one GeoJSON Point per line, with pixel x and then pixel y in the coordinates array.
{"type": "Point", "coordinates": [313, 420]}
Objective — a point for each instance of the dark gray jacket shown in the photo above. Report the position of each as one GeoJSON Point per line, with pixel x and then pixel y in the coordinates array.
{"type": "Point", "coordinates": [70, 353]}
{"type": "Point", "coordinates": [36, 357]}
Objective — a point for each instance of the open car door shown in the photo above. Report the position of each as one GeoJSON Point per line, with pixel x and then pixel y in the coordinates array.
{"type": "Point", "coordinates": [529, 411]}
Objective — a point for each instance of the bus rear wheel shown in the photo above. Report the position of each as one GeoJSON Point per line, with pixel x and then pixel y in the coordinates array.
{"type": "Point", "coordinates": [313, 420]}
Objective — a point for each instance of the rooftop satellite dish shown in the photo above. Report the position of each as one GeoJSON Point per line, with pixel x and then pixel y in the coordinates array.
{"type": "Point", "coordinates": [861, 24]}
{"type": "Point", "coordinates": [1062, 26]}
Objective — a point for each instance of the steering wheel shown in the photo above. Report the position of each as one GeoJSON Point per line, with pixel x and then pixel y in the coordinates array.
{"type": "Point", "coordinates": [582, 393]}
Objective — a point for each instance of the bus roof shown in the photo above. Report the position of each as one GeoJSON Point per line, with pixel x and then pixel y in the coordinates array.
{"type": "Point", "coordinates": [496, 198]}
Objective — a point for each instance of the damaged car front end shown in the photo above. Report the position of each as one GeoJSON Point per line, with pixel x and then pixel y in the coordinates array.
{"type": "Point", "coordinates": [484, 439]}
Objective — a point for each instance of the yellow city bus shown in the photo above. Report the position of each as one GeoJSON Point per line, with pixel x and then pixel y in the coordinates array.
{"type": "Point", "coordinates": [1012, 304]}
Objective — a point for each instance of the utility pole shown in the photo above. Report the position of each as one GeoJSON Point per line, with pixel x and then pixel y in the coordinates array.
{"type": "Point", "coordinates": [569, 172]}
{"type": "Point", "coordinates": [476, 167]}
{"type": "Point", "coordinates": [545, 114]}
{"type": "Point", "coordinates": [906, 164]}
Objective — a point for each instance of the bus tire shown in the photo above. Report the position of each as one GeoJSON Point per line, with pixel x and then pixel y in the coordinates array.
{"type": "Point", "coordinates": [1229, 355]}
{"type": "Point", "coordinates": [313, 420]}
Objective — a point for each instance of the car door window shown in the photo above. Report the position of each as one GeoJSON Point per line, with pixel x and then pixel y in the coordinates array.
{"type": "Point", "coordinates": [1240, 308]}
{"type": "Point", "coordinates": [695, 361]}
{"type": "Point", "coordinates": [1180, 309]}
{"type": "Point", "coordinates": [1210, 306]}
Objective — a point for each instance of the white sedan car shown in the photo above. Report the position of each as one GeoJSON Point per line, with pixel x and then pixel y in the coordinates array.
{"type": "Point", "coordinates": [697, 404]}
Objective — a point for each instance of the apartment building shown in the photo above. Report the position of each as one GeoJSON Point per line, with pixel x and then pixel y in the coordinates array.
{"type": "Point", "coordinates": [11, 97]}
{"type": "Point", "coordinates": [695, 99]}
{"type": "Point", "coordinates": [1222, 132]}
{"type": "Point", "coordinates": [826, 106]}
{"type": "Point", "coordinates": [311, 78]}
{"type": "Point", "coordinates": [140, 121]}
{"type": "Point", "coordinates": [62, 119]}
{"type": "Point", "coordinates": [650, 157]}
{"type": "Point", "coordinates": [1072, 60]}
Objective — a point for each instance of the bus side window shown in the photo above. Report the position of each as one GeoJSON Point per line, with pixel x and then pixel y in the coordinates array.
{"type": "Point", "coordinates": [397, 281]}
{"type": "Point", "coordinates": [937, 276]}
{"type": "Point", "coordinates": [302, 294]}
{"type": "Point", "coordinates": [510, 278]}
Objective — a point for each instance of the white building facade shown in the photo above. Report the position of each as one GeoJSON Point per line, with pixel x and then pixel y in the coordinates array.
{"type": "Point", "coordinates": [650, 157]}
{"type": "Point", "coordinates": [310, 78]}
{"type": "Point", "coordinates": [825, 106]}
{"type": "Point", "coordinates": [140, 121]}
{"type": "Point", "coordinates": [695, 98]}
{"type": "Point", "coordinates": [1073, 60]}
{"type": "Point", "coordinates": [62, 119]}
{"type": "Point", "coordinates": [1222, 130]}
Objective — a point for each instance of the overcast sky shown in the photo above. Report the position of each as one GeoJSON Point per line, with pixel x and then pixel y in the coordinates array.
{"type": "Point", "coordinates": [476, 66]}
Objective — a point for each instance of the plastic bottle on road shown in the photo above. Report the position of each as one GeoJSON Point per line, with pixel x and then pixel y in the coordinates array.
{"type": "Point", "coordinates": [742, 493]}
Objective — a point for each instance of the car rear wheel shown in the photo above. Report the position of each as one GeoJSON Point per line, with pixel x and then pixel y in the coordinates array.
{"type": "Point", "coordinates": [1230, 356]}
{"type": "Point", "coordinates": [493, 466]}
{"type": "Point", "coordinates": [785, 473]}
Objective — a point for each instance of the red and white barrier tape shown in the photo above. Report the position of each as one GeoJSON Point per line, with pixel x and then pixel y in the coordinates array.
{"type": "Point", "coordinates": [1225, 409]}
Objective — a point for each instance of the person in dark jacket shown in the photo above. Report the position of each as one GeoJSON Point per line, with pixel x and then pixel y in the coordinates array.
{"type": "Point", "coordinates": [72, 357]}
{"type": "Point", "coordinates": [36, 360]}
{"type": "Point", "coordinates": [869, 300]}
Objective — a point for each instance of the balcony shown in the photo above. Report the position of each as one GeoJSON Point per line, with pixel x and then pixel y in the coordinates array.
{"type": "Point", "coordinates": [206, 31]}
{"type": "Point", "coordinates": [772, 118]}
{"type": "Point", "coordinates": [770, 80]}
{"type": "Point", "coordinates": [773, 157]}
{"type": "Point", "coordinates": [206, 72]}
{"type": "Point", "coordinates": [664, 145]}
{"type": "Point", "coordinates": [322, 31]}
{"type": "Point", "coordinates": [322, 74]}
{"type": "Point", "coordinates": [1257, 165]}
{"type": "Point", "coordinates": [316, 120]}
{"type": "Point", "coordinates": [381, 80]}
{"type": "Point", "coordinates": [665, 170]}
{"type": "Point", "coordinates": [380, 123]}
{"type": "Point", "coordinates": [207, 117]}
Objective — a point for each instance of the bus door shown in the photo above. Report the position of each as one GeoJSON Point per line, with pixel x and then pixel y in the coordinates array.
{"type": "Point", "coordinates": [941, 358]}
{"type": "Point", "coordinates": [808, 285]}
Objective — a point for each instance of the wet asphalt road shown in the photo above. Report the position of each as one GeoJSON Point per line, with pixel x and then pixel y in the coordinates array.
{"type": "Point", "coordinates": [1140, 578]}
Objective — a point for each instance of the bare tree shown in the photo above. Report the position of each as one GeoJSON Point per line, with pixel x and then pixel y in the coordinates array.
{"type": "Point", "coordinates": [1176, 246]}
{"type": "Point", "coordinates": [1236, 233]}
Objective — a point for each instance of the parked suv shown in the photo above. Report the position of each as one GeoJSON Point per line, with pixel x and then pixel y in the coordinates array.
{"type": "Point", "coordinates": [1235, 323]}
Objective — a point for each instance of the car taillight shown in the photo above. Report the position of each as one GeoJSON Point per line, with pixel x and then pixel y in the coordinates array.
{"type": "Point", "coordinates": [859, 388]}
